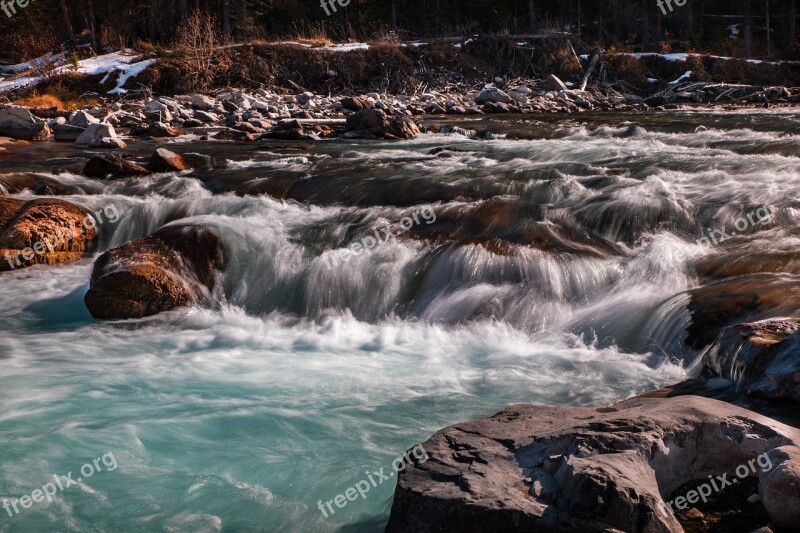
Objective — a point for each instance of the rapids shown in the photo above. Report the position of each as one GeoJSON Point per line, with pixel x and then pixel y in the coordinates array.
{"type": "Point", "coordinates": [556, 271]}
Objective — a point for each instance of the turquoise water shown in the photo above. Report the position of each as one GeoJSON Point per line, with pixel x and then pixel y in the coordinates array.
{"type": "Point", "coordinates": [293, 381]}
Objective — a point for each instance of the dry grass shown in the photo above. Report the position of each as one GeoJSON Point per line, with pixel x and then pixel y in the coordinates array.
{"type": "Point", "coordinates": [627, 69]}
{"type": "Point", "coordinates": [61, 104]}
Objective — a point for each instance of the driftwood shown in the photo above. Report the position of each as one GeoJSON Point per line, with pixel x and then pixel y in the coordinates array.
{"type": "Point", "coordinates": [590, 68]}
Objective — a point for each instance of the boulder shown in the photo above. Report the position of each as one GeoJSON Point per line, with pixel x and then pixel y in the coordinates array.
{"type": "Point", "coordinates": [159, 129]}
{"type": "Point", "coordinates": [536, 468]}
{"type": "Point", "coordinates": [110, 165]}
{"type": "Point", "coordinates": [43, 231]}
{"type": "Point", "coordinates": [356, 103]}
{"type": "Point", "coordinates": [19, 123]}
{"type": "Point", "coordinates": [205, 116]}
{"type": "Point", "coordinates": [401, 127]}
{"type": "Point", "coordinates": [174, 267]}
{"type": "Point", "coordinates": [82, 119]}
{"type": "Point", "coordinates": [304, 98]}
{"type": "Point", "coordinates": [496, 107]}
{"type": "Point", "coordinates": [742, 299]}
{"type": "Point", "coordinates": [762, 358]}
{"type": "Point", "coordinates": [163, 160]}
{"type": "Point", "coordinates": [202, 102]}
{"type": "Point", "coordinates": [159, 111]}
{"type": "Point", "coordinates": [97, 133]}
{"type": "Point", "coordinates": [554, 83]}
{"type": "Point", "coordinates": [67, 133]}
{"type": "Point", "coordinates": [493, 95]}
{"type": "Point", "coordinates": [779, 487]}
{"type": "Point", "coordinates": [377, 124]}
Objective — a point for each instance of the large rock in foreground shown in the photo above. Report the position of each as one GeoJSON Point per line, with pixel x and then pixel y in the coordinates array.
{"type": "Point", "coordinates": [532, 468]}
{"type": "Point", "coordinates": [43, 231]}
{"type": "Point", "coordinates": [171, 268]}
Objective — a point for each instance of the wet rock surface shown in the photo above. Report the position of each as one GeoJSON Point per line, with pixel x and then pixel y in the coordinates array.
{"type": "Point", "coordinates": [43, 231]}
{"type": "Point", "coordinates": [589, 469]}
{"type": "Point", "coordinates": [174, 267]}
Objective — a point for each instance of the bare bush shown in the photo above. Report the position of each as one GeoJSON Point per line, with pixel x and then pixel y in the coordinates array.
{"type": "Point", "coordinates": [198, 40]}
{"type": "Point", "coordinates": [41, 51]}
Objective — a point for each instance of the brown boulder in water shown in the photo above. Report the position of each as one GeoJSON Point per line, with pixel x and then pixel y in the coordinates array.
{"type": "Point", "coordinates": [376, 123]}
{"type": "Point", "coordinates": [174, 267]}
{"type": "Point", "coordinates": [163, 160]}
{"type": "Point", "coordinates": [43, 231]}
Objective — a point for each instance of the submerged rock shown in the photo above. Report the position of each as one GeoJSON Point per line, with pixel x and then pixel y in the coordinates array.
{"type": "Point", "coordinates": [174, 267]}
{"type": "Point", "coordinates": [43, 231]}
{"type": "Point", "coordinates": [537, 468]}
{"type": "Point", "coordinates": [103, 166]}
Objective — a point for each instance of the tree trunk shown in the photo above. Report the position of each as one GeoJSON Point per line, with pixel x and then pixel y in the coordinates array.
{"type": "Point", "coordinates": [93, 27]}
{"type": "Point", "coordinates": [226, 18]}
{"type": "Point", "coordinates": [769, 37]}
{"type": "Point", "coordinates": [393, 15]}
{"type": "Point", "coordinates": [532, 15]}
{"type": "Point", "coordinates": [645, 26]}
{"type": "Point", "coordinates": [792, 26]}
{"type": "Point", "coordinates": [748, 28]}
{"type": "Point", "coordinates": [241, 19]}
{"type": "Point", "coordinates": [67, 22]}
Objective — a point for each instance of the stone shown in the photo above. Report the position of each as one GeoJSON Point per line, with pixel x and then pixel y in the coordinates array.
{"type": "Point", "coordinates": [174, 267]}
{"type": "Point", "coordinates": [304, 98]}
{"type": "Point", "coordinates": [493, 95]}
{"type": "Point", "coordinates": [82, 119]}
{"type": "Point", "coordinates": [202, 102]}
{"type": "Point", "coordinates": [19, 123]}
{"type": "Point", "coordinates": [780, 487]}
{"type": "Point", "coordinates": [159, 129]}
{"type": "Point", "coordinates": [43, 231]}
{"type": "Point", "coordinates": [159, 111]}
{"type": "Point", "coordinates": [163, 160]}
{"type": "Point", "coordinates": [372, 120]}
{"type": "Point", "coordinates": [401, 128]}
{"type": "Point", "coordinates": [554, 83]}
{"type": "Point", "coordinates": [110, 165]}
{"type": "Point", "coordinates": [67, 133]}
{"type": "Point", "coordinates": [537, 468]}
{"type": "Point", "coordinates": [356, 103]}
{"type": "Point", "coordinates": [495, 107]}
{"type": "Point", "coordinates": [762, 358]}
{"type": "Point", "coordinates": [97, 132]}
{"type": "Point", "coordinates": [108, 143]}
{"type": "Point", "coordinates": [205, 116]}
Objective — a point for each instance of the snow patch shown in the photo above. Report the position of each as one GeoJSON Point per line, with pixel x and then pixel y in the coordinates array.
{"type": "Point", "coordinates": [125, 62]}
{"type": "Point", "coordinates": [686, 75]}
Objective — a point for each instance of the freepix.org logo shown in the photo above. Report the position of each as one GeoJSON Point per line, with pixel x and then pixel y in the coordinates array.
{"type": "Point", "coordinates": [10, 7]}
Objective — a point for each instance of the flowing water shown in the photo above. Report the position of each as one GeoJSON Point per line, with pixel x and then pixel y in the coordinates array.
{"type": "Point", "coordinates": [555, 272]}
